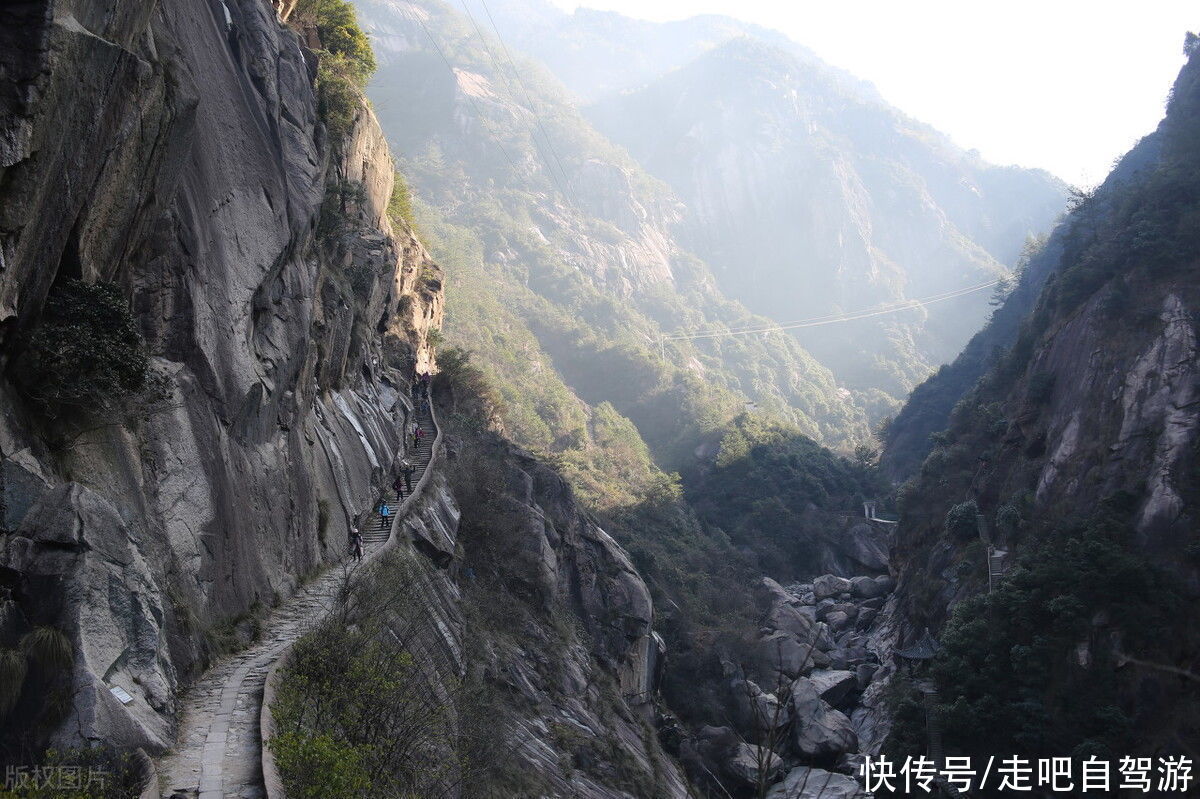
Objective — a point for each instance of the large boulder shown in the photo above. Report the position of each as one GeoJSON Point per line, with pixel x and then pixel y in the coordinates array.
{"type": "Point", "coordinates": [833, 685]}
{"type": "Point", "coordinates": [755, 711]}
{"type": "Point", "coordinates": [849, 608]}
{"type": "Point", "coordinates": [866, 587]}
{"type": "Point", "coordinates": [837, 620]}
{"type": "Point", "coordinates": [780, 653]}
{"type": "Point", "coordinates": [851, 548]}
{"type": "Point", "coordinates": [829, 585]}
{"type": "Point", "coordinates": [780, 611]}
{"type": "Point", "coordinates": [824, 640]}
{"type": "Point", "coordinates": [864, 673]}
{"type": "Point", "coordinates": [749, 761]}
{"type": "Point", "coordinates": [817, 729]}
{"type": "Point", "coordinates": [814, 783]}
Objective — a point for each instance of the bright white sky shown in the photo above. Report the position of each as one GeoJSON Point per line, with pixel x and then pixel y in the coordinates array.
{"type": "Point", "coordinates": [1065, 85]}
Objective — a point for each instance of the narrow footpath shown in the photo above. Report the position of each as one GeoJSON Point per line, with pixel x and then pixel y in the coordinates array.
{"type": "Point", "coordinates": [218, 750]}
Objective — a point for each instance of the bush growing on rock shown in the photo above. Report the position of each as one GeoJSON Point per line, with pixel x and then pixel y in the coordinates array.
{"type": "Point", "coordinates": [474, 401]}
{"type": "Point", "coordinates": [84, 352]}
{"type": "Point", "coordinates": [1031, 667]}
{"type": "Point", "coordinates": [338, 97]}
{"type": "Point", "coordinates": [960, 521]}
{"type": "Point", "coordinates": [347, 61]}
{"type": "Point", "coordinates": [337, 26]}
{"type": "Point", "coordinates": [370, 704]}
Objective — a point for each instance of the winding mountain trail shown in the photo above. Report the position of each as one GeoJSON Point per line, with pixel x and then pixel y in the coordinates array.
{"type": "Point", "coordinates": [218, 748]}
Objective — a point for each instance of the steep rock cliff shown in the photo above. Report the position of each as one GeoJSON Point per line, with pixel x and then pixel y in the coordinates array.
{"type": "Point", "coordinates": [176, 151]}
{"type": "Point", "coordinates": [1078, 450]}
{"type": "Point", "coordinates": [569, 649]}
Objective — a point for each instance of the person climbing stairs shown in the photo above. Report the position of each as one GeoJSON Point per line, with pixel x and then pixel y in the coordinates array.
{"type": "Point", "coordinates": [374, 534]}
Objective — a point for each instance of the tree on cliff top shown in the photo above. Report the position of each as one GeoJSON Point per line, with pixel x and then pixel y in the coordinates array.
{"type": "Point", "coordinates": [337, 27]}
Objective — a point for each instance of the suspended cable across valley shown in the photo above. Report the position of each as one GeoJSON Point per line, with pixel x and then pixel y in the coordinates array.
{"type": "Point", "coordinates": [829, 319]}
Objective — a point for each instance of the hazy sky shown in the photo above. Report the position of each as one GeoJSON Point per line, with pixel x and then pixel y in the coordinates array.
{"type": "Point", "coordinates": [1065, 85]}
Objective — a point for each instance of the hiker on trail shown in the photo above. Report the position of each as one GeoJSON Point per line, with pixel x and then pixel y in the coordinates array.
{"type": "Point", "coordinates": [356, 543]}
{"type": "Point", "coordinates": [384, 513]}
{"type": "Point", "coordinates": [398, 487]}
{"type": "Point", "coordinates": [418, 434]}
{"type": "Point", "coordinates": [407, 469]}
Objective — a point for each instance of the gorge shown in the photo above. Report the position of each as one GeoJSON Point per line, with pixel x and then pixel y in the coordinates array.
{"type": "Point", "coordinates": [236, 235]}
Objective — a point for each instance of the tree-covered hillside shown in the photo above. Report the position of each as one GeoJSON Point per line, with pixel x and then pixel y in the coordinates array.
{"type": "Point", "coordinates": [1074, 461]}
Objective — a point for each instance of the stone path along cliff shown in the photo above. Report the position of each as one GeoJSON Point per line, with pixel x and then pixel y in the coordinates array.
{"type": "Point", "coordinates": [218, 749]}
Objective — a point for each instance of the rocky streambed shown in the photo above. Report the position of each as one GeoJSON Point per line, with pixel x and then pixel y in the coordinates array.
{"type": "Point", "coordinates": [803, 701]}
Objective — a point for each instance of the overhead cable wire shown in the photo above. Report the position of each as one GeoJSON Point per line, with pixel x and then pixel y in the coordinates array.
{"type": "Point", "coordinates": [899, 305]}
{"type": "Point", "coordinates": [528, 101]}
{"type": "Point", "coordinates": [479, 113]}
{"type": "Point", "coordinates": [828, 319]}
{"type": "Point", "coordinates": [500, 69]}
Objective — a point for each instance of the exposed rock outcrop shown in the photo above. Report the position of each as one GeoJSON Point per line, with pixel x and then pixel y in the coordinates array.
{"type": "Point", "coordinates": [176, 150]}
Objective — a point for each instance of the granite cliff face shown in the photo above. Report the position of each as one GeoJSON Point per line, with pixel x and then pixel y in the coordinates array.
{"type": "Point", "coordinates": [568, 647]}
{"type": "Point", "coordinates": [175, 150]}
{"type": "Point", "coordinates": [178, 152]}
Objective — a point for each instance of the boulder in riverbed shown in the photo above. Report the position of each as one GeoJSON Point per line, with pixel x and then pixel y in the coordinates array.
{"type": "Point", "coordinates": [749, 761]}
{"type": "Point", "coordinates": [832, 686]}
{"type": "Point", "coordinates": [828, 585]}
{"type": "Point", "coordinates": [817, 729]}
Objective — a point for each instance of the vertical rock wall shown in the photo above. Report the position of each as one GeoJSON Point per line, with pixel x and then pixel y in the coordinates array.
{"type": "Point", "coordinates": [175, 149]}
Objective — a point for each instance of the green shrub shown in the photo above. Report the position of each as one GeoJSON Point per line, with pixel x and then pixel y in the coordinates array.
{"type": "Point", "coordinates": [317, 766]}
{"type": "Point", "coordinates": [346, 63]}
{"type": "Point", "coordinates": [337, 27]}
{"type": "Point", "coordinates": [338, 97]}
{"type": "Point", "coordinates": [400, 204]}
{"type": "Point", "coordinates": [1007, 675]}
{"type": "Point", "coordinates": [358, 716]}
{"type": "Point", "coordinates": [84, 352]}
{"type": "Point", "coordinates": [34, 687]}
{"type": "Point", "coordinates": [960, 521]}
{"type": "Point", "coordinates": [472, 397]}
{"type": "Point", "coordinates": [99, 773]}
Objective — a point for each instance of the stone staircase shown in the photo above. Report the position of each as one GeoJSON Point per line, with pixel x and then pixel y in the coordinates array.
{"type": "Point", "coordinates": [937, 752]}
{"type": "Point", "coordinates": [997, 558]}
{"type": "Point", "coordinates": [218, 751]}
{"type": "Point", "coordinates": [374, 534]}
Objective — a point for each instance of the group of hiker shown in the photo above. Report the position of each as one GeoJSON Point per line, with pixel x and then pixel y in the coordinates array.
{"type": "Point", "coordinates": [420, 390]}
{"type": "Point", "coordinates": [403, 482]}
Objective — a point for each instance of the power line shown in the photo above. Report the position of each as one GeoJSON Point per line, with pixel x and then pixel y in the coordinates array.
{"type": "Point", "coordinates": [528, 102]}
{"type": "Point", "coordinates": [417, 16]}
{"type": "Point", "coordinates": [500, 69]}
{"type": "Point", "coordinates": [828, 319]}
